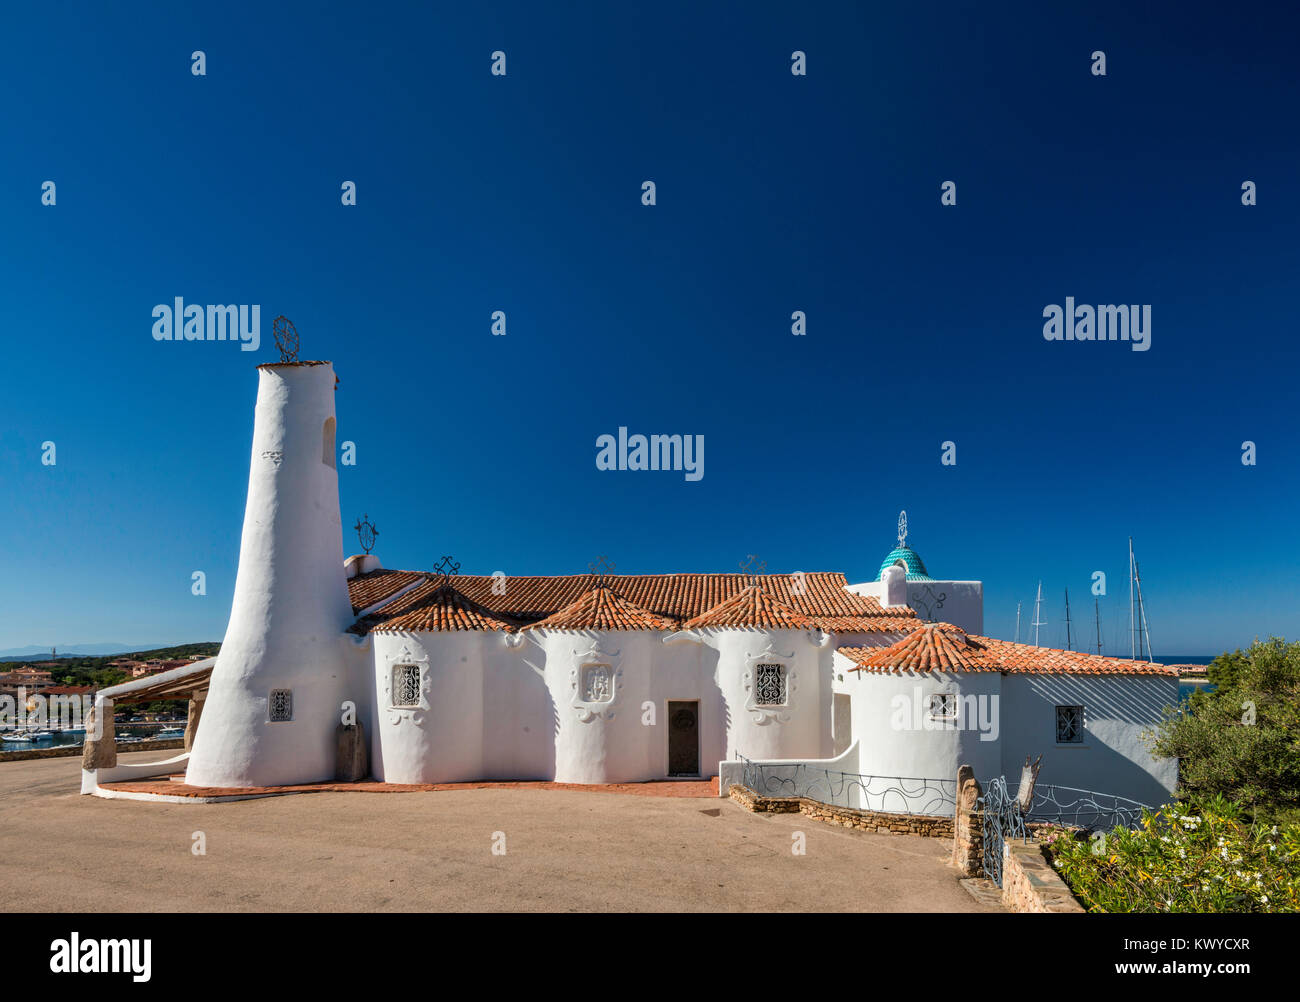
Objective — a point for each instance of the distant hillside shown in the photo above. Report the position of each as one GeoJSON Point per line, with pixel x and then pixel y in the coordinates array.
{"type": "Point", "coordinates": [79, 653]}
{"type": "Point", "coordinates": [94, 670]}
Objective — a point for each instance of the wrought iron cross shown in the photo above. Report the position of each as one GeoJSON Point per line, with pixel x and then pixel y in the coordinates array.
{"type": "Point", "coordinates": [753, 566]}
{"type": "Point", "coordinates": [602, 569]}
{"type": "Point", "coordinates": [446, 570]}
{"type": "Point", "coordinates": [366, 533]}
{"type": "Point", "coordinates": [286, 339]}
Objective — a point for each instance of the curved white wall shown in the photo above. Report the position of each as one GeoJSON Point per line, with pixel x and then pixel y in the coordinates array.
{"type": "Point", "coordinates": [291, 601]}
{"type": "Point", "coordinates": [601, 741]}
{"type": "Point", "coordinates": [896, 738]}
{"type": "Point", "coordinates": [800, 729]}
{"type": "Point", "coordinates": [441, 740]}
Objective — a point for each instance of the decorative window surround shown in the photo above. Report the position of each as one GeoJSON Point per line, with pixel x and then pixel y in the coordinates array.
{"type": "Point", "coordinates": [595, 673]}
{"type": "Point", "coordinates": [762, 713]}
{"type": "Point", "coordinates": [415, 714]}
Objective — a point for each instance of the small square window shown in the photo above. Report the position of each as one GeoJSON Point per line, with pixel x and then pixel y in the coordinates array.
{"type": "Point", "coordinates": [943, 706]}
{"type": "Point", "coordinates": [769, 687]}
{"type": "Point", "coordinates": [406, 685]}
{"type": "Point", "coordinates": [281, 705]}
{"type": "Point", "coordinates": [1069, 725]}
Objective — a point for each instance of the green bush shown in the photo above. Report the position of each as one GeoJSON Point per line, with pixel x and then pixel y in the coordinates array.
{"type": "Point", "coordinates": [1183, 858]}
{"type": "Point", "coordinates": [1242, 739]}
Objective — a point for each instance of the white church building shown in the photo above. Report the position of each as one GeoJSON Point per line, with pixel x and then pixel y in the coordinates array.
{"type": "Point", "coordinates": [619, 678]}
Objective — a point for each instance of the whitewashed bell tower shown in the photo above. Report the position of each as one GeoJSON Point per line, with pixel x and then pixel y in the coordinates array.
{"type": "Point", "coordinates": [282, 675]}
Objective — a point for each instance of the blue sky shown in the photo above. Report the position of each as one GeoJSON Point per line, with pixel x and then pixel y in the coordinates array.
{"type": "Point", "coordinates": [775, 193]}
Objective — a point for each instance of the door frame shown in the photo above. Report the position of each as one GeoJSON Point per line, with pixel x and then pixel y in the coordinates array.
{"type": "Point", "coordinates": [668, 738]}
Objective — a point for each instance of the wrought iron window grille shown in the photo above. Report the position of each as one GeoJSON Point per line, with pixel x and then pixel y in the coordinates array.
{"type": "Point", "coordinates": [1069, 725]}
{"type": "Point", "coordinates": [406, 686]}
{"type": "Point", "coordinates": [769, 685]}
{"type": "Point", "coordinates": [280, 705]}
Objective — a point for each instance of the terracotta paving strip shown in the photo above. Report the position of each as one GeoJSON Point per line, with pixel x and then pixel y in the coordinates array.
{"type": "Point", "coordinates": [172, 788]}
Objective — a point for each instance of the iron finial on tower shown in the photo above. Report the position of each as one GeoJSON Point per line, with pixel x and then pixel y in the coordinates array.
{"type": "Point", "coordinates": [366, 533]}
{"type": "Point", "coordinates": [902, 529]}
{"type": "Point", "coordinates": [286, 339]}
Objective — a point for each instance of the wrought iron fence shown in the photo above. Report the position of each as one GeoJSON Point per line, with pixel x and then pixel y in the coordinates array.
{"type": "Point", "coordinates": [1002, 817]}
{"type": "Point", "coordinates": [1085, 809]}
{"type": "Point", "coordinates": [1003, 820]}
{"type": "Point", "coordinates": [892, 794]}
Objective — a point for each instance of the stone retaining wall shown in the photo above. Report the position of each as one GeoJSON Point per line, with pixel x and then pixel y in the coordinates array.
{"type": "Point", "coordinates": [873, 821]}
{"type": "Point", "coordinates": [1030, 884]}
{"type": "Point", "coordinates": [70, 751]}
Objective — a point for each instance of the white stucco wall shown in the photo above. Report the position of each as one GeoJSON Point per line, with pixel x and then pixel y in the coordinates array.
{"type": "Point", "coordinates": [291, 602]}
{"type": "Point", "coordinates": [801, 728]}
{"type": "Point", "coordinates": [958, 602]}
{"type": "Point", "coordinates": [510, 708]}
{"type": "Point", "coordinates": [896, 736]}
{"type": "Point", "coordinates": [441, 740]}
{"type": "Point", "coordinates": [1015, 716]}
{"type": "Point", "coordinates": [1113, 757]}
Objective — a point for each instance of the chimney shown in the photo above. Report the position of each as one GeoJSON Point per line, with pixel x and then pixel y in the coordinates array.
{"type": "Point", "coordinates": [893, 586]}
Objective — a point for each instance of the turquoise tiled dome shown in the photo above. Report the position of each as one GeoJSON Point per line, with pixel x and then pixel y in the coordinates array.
{"type": "Point", "coordinates": [911, 560]}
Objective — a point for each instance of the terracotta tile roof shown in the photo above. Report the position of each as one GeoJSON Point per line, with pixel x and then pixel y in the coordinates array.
{"type": "Point", "coordinates": [752, 607]}
{"type": "Point", "coordinates": [603, 609]}
{"type": "Point", "coordinates": [433, 606]}
{"type": "Point", "coordinates": [819, 595]}
{"type": "Point", "coordinates": [867, 624]}
{"type": "Point", "coordinates": [944, 647]}
{"type": "Point", "coordinates": [368, 589]}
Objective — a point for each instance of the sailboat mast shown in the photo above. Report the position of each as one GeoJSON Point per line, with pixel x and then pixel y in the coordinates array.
{"type": "Point", "coordinates": [1145, 633]}
{"type": "Point", "coordinates": [1069, 643]}
{"type": "Point", "coordinates": [1018, 604]}
{"type": "Point", "coordinates": [1132, 622]}
{"type": "Point", "coordinates": [1038, 606]}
